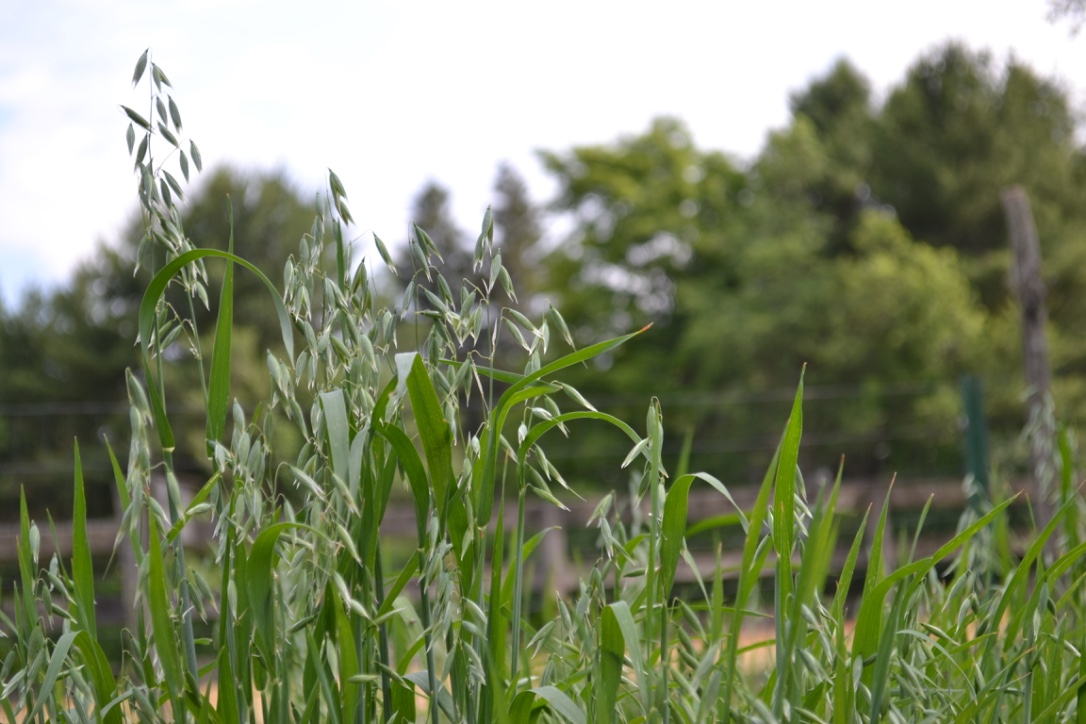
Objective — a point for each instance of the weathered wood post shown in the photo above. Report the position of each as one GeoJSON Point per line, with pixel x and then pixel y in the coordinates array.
{"type": "Point", "coordinates": [1028, 285]}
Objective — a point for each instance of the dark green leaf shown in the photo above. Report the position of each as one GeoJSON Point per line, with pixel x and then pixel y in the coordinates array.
{"type": "Point", "coordinates": [612, 654]}
{"type": "Point", "coordinates": [339, 432]}
{"type": "Point", "coordinates": [101, 676]}
{"type": "Point", "coordinates": [147, 314]}
{"type": "Point", "coordinates": [175, 114]}
{"type": "Point", "coordinates": [136, 118]}
{"type": "Point", "coordinates": [141, 65]}
{"type": "Point", "coordinates": [218, 391]}
{"type": "Point", "coordinates": [82, 570]}
{"type": "Point", "coordinates": [168, 135]}
{"type": "Point", "coordinates": [260, 571]}
{"type": "Point", "coordinates": [27, 560]}
{"type": "Point", "coordinates": [165, 638]}
{"type": "Point", "coordinates": [412, 467]}
{"type": "Point", "coordinates": [336, 184]}
{"type": "Point", "coordinates": [174, 185]}
{"type": "Point", "coordinates": [52, 672]}
{"type": "Point", "coordinates": [562, 704]}
{"type": "Point", "coordinates": [197, 160]}
{"type": "Point", "coordinates": [142, 152]}
{"type": "Point", "coordinates": [159, 77]}
{"type": "Point", "coordinates": [383, 251]}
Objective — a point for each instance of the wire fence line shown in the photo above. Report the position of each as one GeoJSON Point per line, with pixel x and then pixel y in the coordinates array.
{"type": "Point", "coordinates": [37, 426]}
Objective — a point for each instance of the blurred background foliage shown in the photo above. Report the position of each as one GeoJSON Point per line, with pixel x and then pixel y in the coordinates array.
{"type": "Point", "coordinates": [866, 240]}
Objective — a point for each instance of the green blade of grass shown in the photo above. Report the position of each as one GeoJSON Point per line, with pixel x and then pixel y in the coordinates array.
{"type": "Point", "coordinates": [1052, 575]}
{"type": "Point", "coordinates": [844, 581]}
{"type": "Point", "coordinates": [218, 391]}
{"type": "Point", "coordinates": [871, 606]}
{"type": "Point", "coordinates": [406, 573]}
{"type": "Point", "coordinates": [784, 524]}
{"type": "Point", "coordinates": [484, 473]}
{"type": "Point", "coordinates": [506, 597]}
{"type": "Point", "coordinates": [165, 638]}
{"type": "Point", "coordinates": [26, 567]}
{"type": "Point", "coordinates": [339, 435]}
{"type": "Point", "coordinates": [82, 568]}
{"type": "Point", "coordinates": [101, 675]}
{"type": "Point", "coordinates": [624, 618]}
{"type": "Point", "coordinates": [612, 653]}
{"type": "Point", "coordinates": [325, 682]}
{"type": "Point", "coordinates": [541, 428]}
{"type": "Point", "coordinates": [444, 698]}
{"type": "Point", "coordinates": [1022, 570]}
{"type": "Point", "coordinates": [523, 710]}
{"type": "Point", "coordinates": [403, 702]}
{"type": "Point", "coordinates": [349, 666]}
{"type": "Point", "coordinates": [561, 704]}
{"type": "Point", "coordinates": [436, 436]}
{"type": "Point", "coordinates": [869, 620]}
{"type": "Point", "coordinates": [227, 705]}
{"type": "Point", "coordinates": [147, 313]}
{"type": "Point", "coordinates": [749, 574]}
{"type": "Point", "coordinates": [53, 671]}
{"type": "Point", "coordinates": [259, 575]}
{"type": "Point", "coordinates": [412, 467]}
{"type": "Point", "coordinates": [784, 503]}
{"type": "Point", "coordinates": [817, 552]}
{"type": "Point", "coordinates": [673, 530]}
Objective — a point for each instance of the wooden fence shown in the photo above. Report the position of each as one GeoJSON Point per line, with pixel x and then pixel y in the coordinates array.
{"type": "Point", "coordinates": [555, 561]}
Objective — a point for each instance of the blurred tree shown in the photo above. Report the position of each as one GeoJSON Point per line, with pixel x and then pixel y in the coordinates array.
{"type": "Point", "coordinates": [65, 352]}
{"type": "Point", "coordinates": [518, 234]}
{"type": "Point", "coordinates": [643, 211]}
{"type": "Point", "coordinates": [948, 141]}
{"type": "Point", "coordinates": [744, 273]}
{"type": "Point", "coordinates": [959, 131]}
{"type": "Point", "coordinates": [839, 111]}
{"type": "Point", "coordinates": [445, 246]}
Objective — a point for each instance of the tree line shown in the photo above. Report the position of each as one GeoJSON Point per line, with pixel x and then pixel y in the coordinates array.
{"type": "Point", "coordinates": [865, 240]}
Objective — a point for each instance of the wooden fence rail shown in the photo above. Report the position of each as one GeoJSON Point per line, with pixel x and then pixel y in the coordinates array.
{"type": "Point", "coordinates": [554, 559]}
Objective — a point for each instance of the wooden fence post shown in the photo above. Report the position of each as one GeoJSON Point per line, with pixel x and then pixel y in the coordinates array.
{"type": "Point", "coordinates": [1028, 285]}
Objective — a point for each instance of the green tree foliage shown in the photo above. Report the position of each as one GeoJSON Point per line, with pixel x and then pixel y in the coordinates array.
{"type": "Point", "coordinates": [866, 241]}
{"type": "Point", "coordinates": [65, 352]}
{"type": "Point", "coordinates": [956, 133]}
{"type": "Point", "coordinates": [838, 111]}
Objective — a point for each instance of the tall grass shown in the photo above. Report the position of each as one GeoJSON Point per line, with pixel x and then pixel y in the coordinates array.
{"type": "Point", "coordinates": [308, 621]}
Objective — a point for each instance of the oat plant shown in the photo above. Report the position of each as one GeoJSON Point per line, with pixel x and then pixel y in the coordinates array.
{"type": "Point", "coordinates": [310, 619]}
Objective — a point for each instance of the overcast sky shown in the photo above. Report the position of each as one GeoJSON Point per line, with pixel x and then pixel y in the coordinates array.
{"type": "Point", "coordinates": [391, 94]}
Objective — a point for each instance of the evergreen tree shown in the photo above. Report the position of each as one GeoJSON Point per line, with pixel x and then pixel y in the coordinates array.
{"type": "Point", "coordinates": [438, 242]}
{"type": "Point", "coordinates": [518, 233]}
